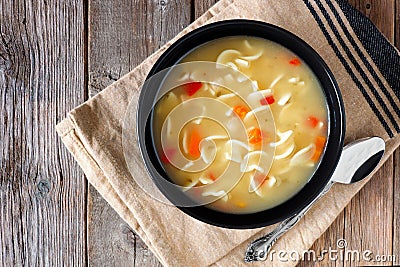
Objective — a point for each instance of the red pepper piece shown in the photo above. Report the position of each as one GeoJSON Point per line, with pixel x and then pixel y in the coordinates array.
{"type": "Point", "coordinates": [167, 154]}
{"type": "Point", "coordinates": [192, 87]}
{"type": "Point", "coordinates": [267, 100]}
{"type": "Point", "coordinates": [212, 176]}
{"type": "Point", "coordinates": [295, 62]}
{"type": "Point", "coordinates": [312, 121]}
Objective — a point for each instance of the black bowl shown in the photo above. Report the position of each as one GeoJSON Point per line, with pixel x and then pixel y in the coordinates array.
{"type": "Point", "coordinates": [334, 140]}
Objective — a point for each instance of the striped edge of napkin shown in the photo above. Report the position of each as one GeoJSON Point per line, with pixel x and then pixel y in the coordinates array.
{"type": "Point", "coordinates": [378, 81]}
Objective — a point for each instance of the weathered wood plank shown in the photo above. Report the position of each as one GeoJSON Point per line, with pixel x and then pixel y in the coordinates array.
{"type": "Point", "coordinates": [396, 203]}
{"type": "Point", "coordinates": [396, 165]}
{"type": "Point", "coordinates": [328, 239]}
{"type": "Point", "coordinates": [397, 25]}
{"type": "Point", "coordinates": [377, 196]}
{"type": "Point", "coordinates": [42, 189]}
{"type": "Point", "coordinates": [111, 242]}
{"type": "Point", "coordinates": [381, 13]}
{"type": "Point", "coordinates": [124, 33]}
{"type": "Point", "coordinates": [396, 207]}
{"type": "Point", "coordinates": [200, 7]}
{"type": "Point", "coordinates": [121, 35]}
{"type": "Point", "coordinates": [369, 216]}
{"type": "Point", "coordinates": [352, 225]}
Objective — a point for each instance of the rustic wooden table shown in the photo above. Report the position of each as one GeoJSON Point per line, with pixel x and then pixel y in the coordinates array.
{"type": "Point", "coordinates": [56, 54]}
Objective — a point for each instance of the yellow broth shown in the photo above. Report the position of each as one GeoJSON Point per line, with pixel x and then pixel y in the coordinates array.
{"type": "Point", "coordinates": [297, 102]}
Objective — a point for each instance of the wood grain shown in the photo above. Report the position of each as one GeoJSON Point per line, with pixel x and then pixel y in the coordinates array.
{"type": "Point", "coordinates": [367, 222]}
{"type": "Point", "coordinates": [396, 204]}
{"type": "Point", "coordinates": [42, 189]}
{"type": "Point", "coordinates": [328, 239]}
{"type": "Point", "coordinates": [121, 35]}
{"type": "Point", "coordinates": [369, 216]}
{"type": "Point", "coordinates": [200, 7]}
{"type": "Point", "coordinates": [44, 57]}
{"type": "Point", "coordinates": [397, 25]}
{"type": "Point", "coordinates": [380, 13]}
{"type": "Point", "coordinates": [396, 165]}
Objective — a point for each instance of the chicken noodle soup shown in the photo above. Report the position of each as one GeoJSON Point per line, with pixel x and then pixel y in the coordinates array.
{"type": "Point", "coordinates": [247, 140]}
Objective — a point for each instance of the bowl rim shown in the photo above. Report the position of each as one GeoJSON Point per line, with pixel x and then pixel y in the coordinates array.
{"type": "Point", "coordinates": [335, 139]}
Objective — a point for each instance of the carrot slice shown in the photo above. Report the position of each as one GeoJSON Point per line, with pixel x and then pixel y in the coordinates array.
{"type": "Point", "coordinates": [192, 87]}
{"type": "Point", "coordinates": [320, 142]}
{"type": "Point", "coordinates": [194, 142]}
{"type": "Point", "coordinates": [241, 111]}
{"type": "Point", "coordinates": [255, 136]}
{"type": "Point", "coordinates": [312, 121]}
{"type": "Point", "coordinates": [295, 62]}
{"type": "Point", "coordinates": [269, 100]}
{"type": "Point", "coordinates": [316, 156]}
{"type": "Point", "coordinates": [212, 176]}
{"type": "Point", "coordinates": [319, 147]}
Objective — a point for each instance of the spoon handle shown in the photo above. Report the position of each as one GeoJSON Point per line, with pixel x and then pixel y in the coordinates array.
{"type": "Point", "coordinates": [259, 248]}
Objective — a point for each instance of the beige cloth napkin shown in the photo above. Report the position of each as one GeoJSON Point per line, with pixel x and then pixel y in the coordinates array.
{"type": "Point", "coordinates": [92, 133]}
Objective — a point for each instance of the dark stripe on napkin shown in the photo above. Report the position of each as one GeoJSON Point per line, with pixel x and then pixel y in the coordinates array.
{"type": "Point", "coordinates": [376, 45]}
{"type": "Point", "coordinates": [363, 58]}
{"type": "Point", "coordinates": [348, 68]}
{"type": "Point", "coordinates": [359, 69]}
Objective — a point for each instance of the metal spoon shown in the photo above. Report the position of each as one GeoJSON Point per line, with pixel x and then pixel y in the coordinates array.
{"type": "Point", "coordinates": [357, 161]}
